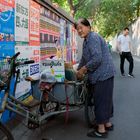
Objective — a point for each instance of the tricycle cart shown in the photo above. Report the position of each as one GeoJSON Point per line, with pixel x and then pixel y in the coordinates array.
{"type": "Point", "coordinates": [51, 98]}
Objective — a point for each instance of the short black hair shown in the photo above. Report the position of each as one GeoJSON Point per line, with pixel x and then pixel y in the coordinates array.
{"type": "Point", "coordinates": [126, 28]}
{"type": "Point", "coordinates": [83, 21]}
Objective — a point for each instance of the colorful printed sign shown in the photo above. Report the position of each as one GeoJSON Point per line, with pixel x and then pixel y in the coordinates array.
{"type": "Point", "coordinates": [54, 67]}
{"type": "Point", "coordinates": [49, 34]}
{"type": "Point", "coordinates": [48, 52]}
{"type": "Point", "coordinates": [74, 46]}
{"type": "Point", "coordinates": [63, 37]}
{"type": "Point", "coordinates": [6, 27]}
{"type": "Point", "coordinates": [27, 53]}
{"type": "Point", "coordinates": [34, 19]}
{"type": "Point", "coordinates": [68, 45]}
{"type": "Point", "coordinates": [6, 21]}
{"type": "Point", "coordinates": [62, 32]}
{"type": "Point", "coordinates": [7, 49]}
{"type": "Point", "coordinates": [49, 26]}
{"type": "Point", "coordinates": [49, 14]}
{"type": "Point", "coordinates": [22, 20]}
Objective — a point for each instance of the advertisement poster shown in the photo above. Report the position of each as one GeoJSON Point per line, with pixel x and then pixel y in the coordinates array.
{"type": "Point", "coordinates": [74, 46]}
{"type": "Point", "coordinates": [22, 20]}
{"type": "Point", "coordinates": [68, 45]}
{"type": "Point", "coordinates": [54, 67]}
{"type": "Point", "coordinates": [49, 34]}
{"type": "Point", "coordinates": [49, 26]}
{"type": "Point", "coordinates": [27, 53]}
{"type": "Point", "coordinates": [34, 22]}
{"type": "Point", "coordinates": [48, 52]}
{"type": "Point", "coordinates": [62, 32]}
{"type": "Point", "coordinates": [63, 37]}
{"type": "Point", "coordinates": [7, 49]}
{"type": "Point", "coordinates": [6, 27]}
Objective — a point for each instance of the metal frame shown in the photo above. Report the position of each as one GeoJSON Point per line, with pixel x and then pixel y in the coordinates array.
{"type": "Point", "coordinates": [17, 106]}
{"type": "Point", "coordinates": [34, 117]}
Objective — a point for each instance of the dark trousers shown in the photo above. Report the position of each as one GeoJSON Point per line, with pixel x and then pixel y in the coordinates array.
{"type": "Point", "coordinates": [102, 93]}
{"type": "Point", "coordinates": [128, 56]}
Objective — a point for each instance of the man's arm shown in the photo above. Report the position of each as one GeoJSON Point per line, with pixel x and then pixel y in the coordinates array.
{"type": "Point", "coordinates": [119, 45]}
{"type": "Point", "coordinates": [130, 46]}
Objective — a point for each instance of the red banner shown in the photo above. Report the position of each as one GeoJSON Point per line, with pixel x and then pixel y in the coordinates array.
{"type": "Point", "coordinates": [34, 21]}
{"type": "Point", "coordinates": [10, 3]}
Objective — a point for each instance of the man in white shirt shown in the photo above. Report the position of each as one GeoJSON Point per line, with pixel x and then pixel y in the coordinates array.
{"type": "Point", "coordinates": [124, 48]}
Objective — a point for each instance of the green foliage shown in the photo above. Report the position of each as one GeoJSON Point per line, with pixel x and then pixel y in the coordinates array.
{"type": "Point", "coordinates": [62, 3]}
{"type": "Point", "coordinates": [109, 16]}
{"type": "Point", "coordinates": [114, 15]}
{"type": "Point", "coordinates": [88, 10]}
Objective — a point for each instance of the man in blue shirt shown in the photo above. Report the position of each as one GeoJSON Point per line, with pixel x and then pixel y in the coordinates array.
{"type": "Point", "coordinates": [97, 62]}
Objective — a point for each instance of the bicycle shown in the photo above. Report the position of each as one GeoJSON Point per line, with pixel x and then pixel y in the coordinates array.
{"type": "Point", "coordinates": [58, 97]}
{"type": "Point", "coordinates": [8, 71]}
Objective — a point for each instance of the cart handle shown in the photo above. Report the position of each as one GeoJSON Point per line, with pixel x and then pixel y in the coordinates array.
{"type": "Point", "coordinates": [24, 63]}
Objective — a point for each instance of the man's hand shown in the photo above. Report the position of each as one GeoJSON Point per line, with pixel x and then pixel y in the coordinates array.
{"type": "Point", "coordinates": [120, 53]}
{"type": "Point", "coordinates": [119, 47]}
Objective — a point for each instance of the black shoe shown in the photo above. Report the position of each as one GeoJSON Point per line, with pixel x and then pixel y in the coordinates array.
{"type": "Point", "coordinates": [110, 128]}
{"type": "Point", "coordinates": [97, 134]}
{"type": "Point", "coordinates": [123, 75]}
{"type": "Point", "coordinates": [131, 75]}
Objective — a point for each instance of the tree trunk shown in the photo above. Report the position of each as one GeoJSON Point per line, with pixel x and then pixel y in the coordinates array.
{"type": "Point", "coordinates": [72, 9]}
{"type": "Point", "coordinates": [138, 11]}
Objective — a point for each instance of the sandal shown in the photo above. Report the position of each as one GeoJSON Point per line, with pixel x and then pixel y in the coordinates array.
{"type": "Point", "coordinates": [97, 134]}
{"type": "Point", "coordinates": [110, 128]}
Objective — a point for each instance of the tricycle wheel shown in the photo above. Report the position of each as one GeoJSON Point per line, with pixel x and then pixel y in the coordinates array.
{"type": "Point", "coordinates": [5, 133]}
{"type": "Point", "coordinates": [89, 111]}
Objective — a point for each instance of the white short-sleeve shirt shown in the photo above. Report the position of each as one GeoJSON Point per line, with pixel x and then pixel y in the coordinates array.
{"type": "Point", "coordinates": [124, 43]}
